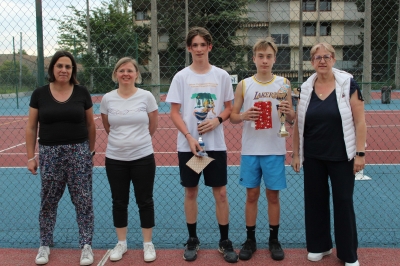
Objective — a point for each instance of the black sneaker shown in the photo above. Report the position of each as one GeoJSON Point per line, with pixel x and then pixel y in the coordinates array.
{"type": "Point", "coordinates": [225, 247]}
{"type": "Point", "coordinates": [191, 247]}
{"type": "Point", "coordinates": [248, 248]}
{"type": "Point", "coordinates": [276, 250]}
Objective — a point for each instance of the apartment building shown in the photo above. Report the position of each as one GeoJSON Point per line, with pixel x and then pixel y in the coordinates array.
{"type": "Point", "coordinates": [337, 22]}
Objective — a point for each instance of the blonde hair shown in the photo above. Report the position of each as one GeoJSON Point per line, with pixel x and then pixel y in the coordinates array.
{"type": "Point", "coordinates": [263, 44]}
{"type": "Point", "coordinates": [325, 45]}
{"type": "Point", "coordinates": [125, 60]}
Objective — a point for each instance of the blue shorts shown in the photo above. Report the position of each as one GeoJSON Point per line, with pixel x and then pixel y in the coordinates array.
{"type": "Point", "coordinates": [270, 167]}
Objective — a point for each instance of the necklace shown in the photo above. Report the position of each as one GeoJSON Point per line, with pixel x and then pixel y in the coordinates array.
{"type": "Point", "coordinates": [264, 82]}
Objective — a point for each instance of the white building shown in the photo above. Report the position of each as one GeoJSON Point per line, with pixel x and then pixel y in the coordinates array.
{"type": "Point", "coordinates": [333, 21]}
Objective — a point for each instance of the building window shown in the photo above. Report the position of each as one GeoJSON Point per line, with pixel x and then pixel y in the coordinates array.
{"type": "Point", "coordinates": [141, 15]}
{"type": "Point", "coordinates": [163, 38]}
{"type": "Point", "coordinates": [309, 5]}
{"type": "Point", "coordinates": [325, 29]}
{"type": "Point", "coordinates": [282, 59]}
{"type": "Point", "coordinates": [352, 53]}
{"type": "Point", "coordinates": [309, 29]}
{"type": "Point", "coordinates": [306, 53]}
{"type": "Point", "coordinates": [325, 5]}
{"type": "Point", "coordinates": [280, 38]}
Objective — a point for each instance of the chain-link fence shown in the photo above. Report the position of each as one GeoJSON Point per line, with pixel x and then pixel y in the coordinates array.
{"type": "Point", "coordinates": [98, 33]}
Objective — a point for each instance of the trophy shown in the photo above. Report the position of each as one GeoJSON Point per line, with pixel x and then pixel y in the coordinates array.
{"type": "Point", "coordinates": [280, 96]}
{"type": "Point", "coordinates": [201, 113]}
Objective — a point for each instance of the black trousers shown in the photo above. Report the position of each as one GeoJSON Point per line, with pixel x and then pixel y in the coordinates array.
{"type": "Point", "coordinates": [317, 210]}
{"type": "Point", "coordinates": [141, 173]}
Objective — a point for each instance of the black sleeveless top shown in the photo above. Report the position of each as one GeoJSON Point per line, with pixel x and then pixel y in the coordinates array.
{"type": "Point", "coordinates": [323, 131]}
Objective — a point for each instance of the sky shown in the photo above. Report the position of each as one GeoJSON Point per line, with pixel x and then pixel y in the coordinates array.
{"type": "Point", "coordinates": [19, 16]}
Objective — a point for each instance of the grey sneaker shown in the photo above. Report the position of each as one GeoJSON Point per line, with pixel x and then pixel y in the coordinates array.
{"type": "Point", "coordinates": [225, 247]}
{"type": "Point", "coordinates": [248, 248]}
{"type": "Point", "coordinates": [117, 252]}
{"type": "Point", "coordinates": [43, 255]}
{"type": "Point", "coordinates": [87, 255]}
{"type": "Point", "coordinates": [191, 247]}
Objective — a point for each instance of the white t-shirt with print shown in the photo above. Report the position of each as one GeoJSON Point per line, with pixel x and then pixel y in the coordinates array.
{"type": "Point", "coordinates": [129, 138]}
{"type": "Point", "coordinates": [204, 95]}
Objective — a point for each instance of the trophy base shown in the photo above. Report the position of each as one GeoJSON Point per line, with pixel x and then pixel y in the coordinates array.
{"type": "Point", "coordinates": [283, 134]}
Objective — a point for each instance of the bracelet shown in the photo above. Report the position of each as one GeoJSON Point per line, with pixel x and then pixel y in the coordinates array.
{"type": "Point", "coordinates": [186, 134]}
{"type": "Point", "coordinates": [31, 159]}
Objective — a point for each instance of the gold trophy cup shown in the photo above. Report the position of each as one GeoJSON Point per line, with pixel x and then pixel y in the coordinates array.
{"type": "Point", "coordinates": [281, 95]}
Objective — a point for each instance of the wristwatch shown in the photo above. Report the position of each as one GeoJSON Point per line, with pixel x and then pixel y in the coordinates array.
{"type": "Point", "coordinates": [93, 153]}
{"type": "Point", "coordinates": [220, 119]}
{"type": "Point", "coordinates": [360, 153]}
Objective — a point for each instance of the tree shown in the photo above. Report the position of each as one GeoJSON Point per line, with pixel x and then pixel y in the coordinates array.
{"type": "Point", "coordinates": [221, 17]}
{"type": "Point", "coordinates": [10, 74]}
{"type": "Point", "coordinates": [384, 22]}
{"type": "Point", "coordinates": [113, 35]}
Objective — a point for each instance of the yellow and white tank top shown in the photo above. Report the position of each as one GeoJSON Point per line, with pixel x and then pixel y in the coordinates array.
{"type": "Point", "coordinates": [262, 141]}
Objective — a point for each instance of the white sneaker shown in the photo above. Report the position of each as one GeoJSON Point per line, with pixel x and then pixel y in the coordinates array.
{"type": "Point", "coordinates": [117, 252]}
{"type": "Point", "coordinates": [87, 255]}
{"type": "Point", "coordinates": [149, 252]}
{"type": "Point", "coordinates": [318, 256]}
{"type": "Point", "coordinates": [43, 255]}
{"type": "Point", "coordinates": [352, 264]}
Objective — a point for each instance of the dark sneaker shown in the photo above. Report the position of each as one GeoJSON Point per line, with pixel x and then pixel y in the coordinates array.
{"type": "Point", "coordinates": [248, 248]}
{"type": "Point", "coordinates": [276, 250]}
{"type": "Point", "coordinates": [191, 247]}
{"type": "Point", "coordinates": [225, 247]}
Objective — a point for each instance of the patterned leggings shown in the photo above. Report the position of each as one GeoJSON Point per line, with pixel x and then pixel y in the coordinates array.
{"type": "Point", "coordinates": [63, 165]}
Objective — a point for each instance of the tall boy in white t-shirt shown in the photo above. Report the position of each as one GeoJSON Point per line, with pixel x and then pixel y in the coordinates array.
{"type": "Point", "coordinates": [203, 90]}
{"type": "Point", "coordinates": [263, 152]}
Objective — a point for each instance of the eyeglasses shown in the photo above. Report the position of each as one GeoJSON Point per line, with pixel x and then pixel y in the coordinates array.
{"type": "Point", "coordinates": [326, 57]}
{"type": "Point", "coordinates": [61, 66]}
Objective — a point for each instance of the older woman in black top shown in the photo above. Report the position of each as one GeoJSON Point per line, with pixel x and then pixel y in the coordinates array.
{"type": "Point", "coordinates": [329, 139]}
{"type": "Point", "coordinates": [67, 133]}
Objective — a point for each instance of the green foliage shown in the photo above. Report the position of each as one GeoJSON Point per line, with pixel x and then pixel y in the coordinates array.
{"type": "Point", "coordinates": [384, 23]}
{"type": "Point", "coordinates": [10, 74]}
{"type": "Point", "coordinates": [221, 17]}
{"type": "Point", "coordinates": [112, 34]}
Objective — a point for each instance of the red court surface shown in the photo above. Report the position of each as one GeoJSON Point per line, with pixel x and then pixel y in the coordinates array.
{"type": "Point", "coordinates": [383, 145]}
{"type": "Point", "coordinates": [298, 257]}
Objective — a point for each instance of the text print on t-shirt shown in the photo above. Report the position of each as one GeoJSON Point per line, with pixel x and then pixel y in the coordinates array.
{"type": "Point", "coordinates": [112, 111]}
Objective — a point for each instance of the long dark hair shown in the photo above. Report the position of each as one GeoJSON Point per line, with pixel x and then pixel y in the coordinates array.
{"type": "Point", "coordinates": [53, 62]}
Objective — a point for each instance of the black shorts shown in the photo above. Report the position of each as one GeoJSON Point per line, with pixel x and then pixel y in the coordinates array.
{"type": "Point", "coordinates": [215, 174]}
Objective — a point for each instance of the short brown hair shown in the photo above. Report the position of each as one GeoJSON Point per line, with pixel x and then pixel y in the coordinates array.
{"type": "Point", "coordinates": [198, 31]}
{"type": "Point", "coordinates": [53, 62]}
{"type": "Point", "coordinates": [325, 45]}
{"type": "Point", "coordinates": [125, 60]}
{"type": "Point", "coordinates": [263, 44]}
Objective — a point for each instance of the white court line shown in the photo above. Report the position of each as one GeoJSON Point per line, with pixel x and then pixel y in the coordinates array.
{"type": "Point", "coordinates": [23, 143]}
{"type": "Point", "coordinates": [174, 152]}
{"type": "Point", "coordinates": [12, 147]}
{"type": "Point", "coordinates": [105, 258]}
{"type": "Point", "coordinates": [167, 166]}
